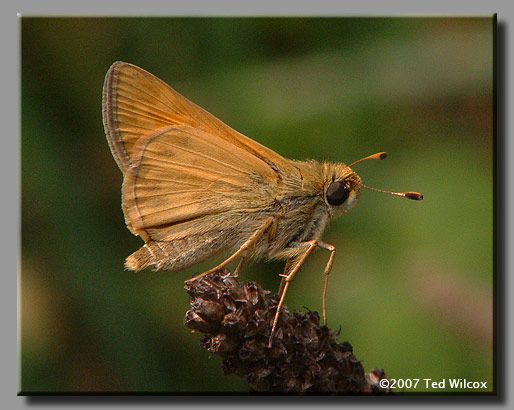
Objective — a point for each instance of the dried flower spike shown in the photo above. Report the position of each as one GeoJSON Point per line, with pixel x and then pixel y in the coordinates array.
{"type": "Point", "coordinates": [236, 319]}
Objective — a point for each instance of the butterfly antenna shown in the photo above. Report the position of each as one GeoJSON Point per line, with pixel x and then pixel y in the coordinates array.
{"type": "Point", "coordinates": [382, 155]}
{"type": "Point", "coordinates": [378, 155]}
{"type": "Point", "coordinates": [410, 195]}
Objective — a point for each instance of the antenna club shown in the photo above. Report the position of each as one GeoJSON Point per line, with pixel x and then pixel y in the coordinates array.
{"type": "Point", "coordinates": [414, 195]}
{"type": "Point", "coordinates": [383, 155]}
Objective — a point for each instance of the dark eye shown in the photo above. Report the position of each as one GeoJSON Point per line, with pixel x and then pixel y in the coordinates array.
{"type": "Point", "coordinates": [337, 193]}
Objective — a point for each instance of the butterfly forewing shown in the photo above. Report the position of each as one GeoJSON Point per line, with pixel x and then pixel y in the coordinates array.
{"type": "Point", "coordinates": [136, 103]}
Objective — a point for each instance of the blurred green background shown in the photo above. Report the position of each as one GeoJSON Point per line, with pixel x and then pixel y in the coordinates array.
{"type": "Point", "coordinates": [412, 282]}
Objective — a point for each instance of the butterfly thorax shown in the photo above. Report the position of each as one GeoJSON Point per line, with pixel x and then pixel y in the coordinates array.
{"type": "Point", "coordinates": [304, 212]}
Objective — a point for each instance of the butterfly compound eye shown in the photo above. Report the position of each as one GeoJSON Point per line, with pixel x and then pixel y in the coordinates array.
{"type": "Point", "coordinates": [337, 193]}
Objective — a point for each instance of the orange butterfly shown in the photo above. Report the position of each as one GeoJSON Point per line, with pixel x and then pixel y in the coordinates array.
{"type": "Point", "coordinates": [194, 187]}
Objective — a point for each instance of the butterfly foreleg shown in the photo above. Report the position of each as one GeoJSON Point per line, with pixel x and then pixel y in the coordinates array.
{"type": "Point", "coordinates": [293, 265]}
{"type": "Point", "coordinates": [326, 272]}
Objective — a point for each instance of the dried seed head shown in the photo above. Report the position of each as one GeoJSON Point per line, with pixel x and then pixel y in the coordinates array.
{"type": "Point", "coordinates": [304, 357]}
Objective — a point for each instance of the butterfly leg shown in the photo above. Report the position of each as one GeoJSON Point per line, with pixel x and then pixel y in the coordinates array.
{"type": "Point", "coordinates": [282, 284]}
{"type": "Point", "coordinates": [240, 265]}
{"type": "Point", "coordinates": [244, 247]}
{"type": "Point", "coordinates": [287, 278]}
{"type": "Point", "coordinates": [290, 270]}
{"type": "Point", "coordinates": [289, 263]}
{"type": "Point", "coordinates": [326, 272]}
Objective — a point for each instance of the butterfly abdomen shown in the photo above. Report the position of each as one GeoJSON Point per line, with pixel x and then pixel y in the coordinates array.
{"type": "Point", "coordinates": [179, 253]}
